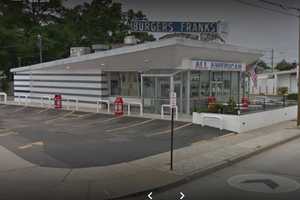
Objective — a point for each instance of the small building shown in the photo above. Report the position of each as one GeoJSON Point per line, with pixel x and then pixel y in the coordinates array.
{"type": "Point", "coordinates": [268, 83]}
{"type": "Point", "coordinates": [145, 73]}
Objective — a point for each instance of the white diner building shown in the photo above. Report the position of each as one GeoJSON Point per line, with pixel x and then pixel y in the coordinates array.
{"type": "Point", "coordinates": [144, 73]}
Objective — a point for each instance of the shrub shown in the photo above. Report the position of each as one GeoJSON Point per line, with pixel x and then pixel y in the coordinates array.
{"type": "Point", "coordinates": [230, 109]}
{"type": "Point", "coordinates": [293, 96]}
{"type": "Point", "coordinates": [215, 108]}
{"type": "Point", "coordinates": [282, 90]}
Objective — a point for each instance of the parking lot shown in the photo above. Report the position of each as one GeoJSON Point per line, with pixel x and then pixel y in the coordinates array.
{"type": "Point", "coordinates": [68, 139]}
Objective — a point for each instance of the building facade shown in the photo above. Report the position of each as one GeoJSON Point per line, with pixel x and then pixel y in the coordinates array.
{"type": "Point", "coordinates": [269, 83]}
{"type": "Point", "coordinates": [145, 73]}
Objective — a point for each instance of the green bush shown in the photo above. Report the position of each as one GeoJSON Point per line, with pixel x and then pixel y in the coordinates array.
{"type": "Point", "coordinates": [282, 90]}
{"type": "Point", "coordinates": [230, 109]}
{"type": "Point", "coordinates": [215, 108]}
{"type": "Point", "coordinates": [293, 96]}
{"type": "Point", "coordinates": [201, 110]}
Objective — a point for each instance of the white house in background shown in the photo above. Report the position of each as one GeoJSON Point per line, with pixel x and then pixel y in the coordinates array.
{"type": "Point", "coordinates": [268, 83]}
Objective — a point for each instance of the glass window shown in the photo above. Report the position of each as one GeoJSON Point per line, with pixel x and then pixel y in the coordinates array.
{"type": "Point", "coordinates": [125, 84]}
{"type": "Point", "coordinates": [195, 84]}
{"type": "Point", "coordinates": [204, 84]}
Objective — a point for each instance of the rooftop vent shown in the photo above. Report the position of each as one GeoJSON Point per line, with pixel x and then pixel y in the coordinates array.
{"type": "Point", "coordinates": [100, 47]}
{"type": "Point", "coordinates": [130, 40]}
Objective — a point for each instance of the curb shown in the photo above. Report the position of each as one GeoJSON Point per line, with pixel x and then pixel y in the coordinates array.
{"type": "Point", "coordinates": [198, 174]}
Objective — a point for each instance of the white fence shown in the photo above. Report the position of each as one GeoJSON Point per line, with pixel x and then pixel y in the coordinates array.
{"type": "Point", "coordinates": [243, 123]}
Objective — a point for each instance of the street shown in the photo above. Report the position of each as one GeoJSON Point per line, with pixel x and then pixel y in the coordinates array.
{"type": "Point", "coordinates": [271, 175]}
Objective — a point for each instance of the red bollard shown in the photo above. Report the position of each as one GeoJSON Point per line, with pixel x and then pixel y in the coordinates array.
{"type": "Point", "coordinates": [57, 101]}
{"type": "Point", "coordinates": [245, 103]}
{"type": "Point", "coordinates": [119, 106]}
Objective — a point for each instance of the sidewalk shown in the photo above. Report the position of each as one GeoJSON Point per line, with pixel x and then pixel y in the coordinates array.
{"type": "Point", "coordinates": [144, 175]}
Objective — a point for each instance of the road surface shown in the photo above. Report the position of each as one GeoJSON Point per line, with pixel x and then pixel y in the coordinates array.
{"type": "Point", "coordinates": [272, 175]}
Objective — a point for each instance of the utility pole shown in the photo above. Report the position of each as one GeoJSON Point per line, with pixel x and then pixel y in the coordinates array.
{"type": "Point", "coordinates": [272, 59]}
{"type": "Point", "coordinates": [298, 117]}
{"type": "Point", "coordinates": [285, 7]}
{"type": "Point", "coordinates": [40, 45]}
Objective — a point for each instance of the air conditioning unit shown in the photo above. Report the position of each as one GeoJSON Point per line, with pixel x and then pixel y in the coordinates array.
{"type": "Point", "coordinates": [79, 51]}
{"type": "Point", "coordinates": [130, 40]}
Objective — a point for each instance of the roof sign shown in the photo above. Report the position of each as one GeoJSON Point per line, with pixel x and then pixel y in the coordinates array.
{"type": "Point", "coordinates": [175, 27]}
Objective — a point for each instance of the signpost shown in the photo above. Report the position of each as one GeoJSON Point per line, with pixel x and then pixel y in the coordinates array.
{"type": "Point", "coordinates": [173, 106]}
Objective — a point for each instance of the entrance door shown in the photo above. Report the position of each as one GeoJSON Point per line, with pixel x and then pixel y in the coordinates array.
{"type": "Point", "coordinates": [217, 88]}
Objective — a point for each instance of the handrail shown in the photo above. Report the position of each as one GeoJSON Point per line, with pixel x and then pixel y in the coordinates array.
{"type": "Point", "coordinates": [19, 99]}
{"type": "Point", "coordinates": [99, 101]}
{"type": "Point", "coordinates": [168, 106]}
{"type": "Point", "coordinates": [4, 96]}
{"type": "Point", "coordinates": [76, 101]}
{"type": "Point", "coordinates": [45, 98]}
{"type": "Point", "coordinates": [134, 103]}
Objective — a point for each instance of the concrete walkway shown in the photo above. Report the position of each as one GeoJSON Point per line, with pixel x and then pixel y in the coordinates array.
{"type": "Point", "coordinates": [20, 179]}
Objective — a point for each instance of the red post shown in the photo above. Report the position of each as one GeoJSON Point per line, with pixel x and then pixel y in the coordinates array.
{"type": "Point", "coordinates": [58, 101]}
{"type": "Point", "coordinates": [119, 106]}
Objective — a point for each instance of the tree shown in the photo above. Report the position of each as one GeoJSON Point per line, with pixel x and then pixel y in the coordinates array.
{"type": "Point", "coordinates": [284, 65]}
{"type": "Point", "coordinates": [100, 21]}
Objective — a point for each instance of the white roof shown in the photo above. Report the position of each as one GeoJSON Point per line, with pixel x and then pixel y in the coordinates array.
{"type": "Point", "coordinates": [167, 53]}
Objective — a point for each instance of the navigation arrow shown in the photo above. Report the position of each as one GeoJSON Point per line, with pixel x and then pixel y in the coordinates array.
{"type": "Point", "coordinates": [182, 195]}
{"type": "Point", "coordinates": [149, 195]}
{"type": "Point", "coordinates": [268, 182]}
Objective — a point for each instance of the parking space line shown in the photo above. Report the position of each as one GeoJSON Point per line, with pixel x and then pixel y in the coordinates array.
{"type": "Point", "coordinates": [130, 126]}
{"type": "Point", "coordinates": [44, 110]}
{"type": "Point", "coordinates": [4, 130]}
{"type": "Point", "coordinates": [3, 134]}
{"type": "Point", "coordinates": [86, 115]}
{"type": "Point", "coordinates": [106, 120]}
{"type": "Point", "coordinates": [82, 116]}
{"type": "Point", "coordinates": [18, 110]}
{"type": "Point", "coordinates": [39, 143]}
{"type": "Point", "coordinates": [59, 117]}
{"type": "Point", "coordinates": [169, 130]}
{"type": "Point", "coordinates": [3, 106]}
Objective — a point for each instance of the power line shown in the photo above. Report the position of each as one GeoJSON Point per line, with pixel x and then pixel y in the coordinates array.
{"type": "Point", "coordinates": [282, 6]}
{"type": "Point", "coordinates": [265, 8]}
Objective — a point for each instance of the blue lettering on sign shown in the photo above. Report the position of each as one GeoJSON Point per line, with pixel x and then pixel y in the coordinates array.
{"type": "Point", "coordinates": [172, 27]}
{"type": "Point", "coordinates": [215, 65]}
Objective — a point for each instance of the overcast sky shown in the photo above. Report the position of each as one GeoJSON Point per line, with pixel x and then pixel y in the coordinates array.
{"type": "Point", "coordinates": [250, 26]}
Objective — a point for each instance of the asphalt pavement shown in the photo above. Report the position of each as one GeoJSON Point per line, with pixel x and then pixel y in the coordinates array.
{"type": "Point", "coordinates": [69, 139]}
{"type": "Point", "coordinates": [272, 175]}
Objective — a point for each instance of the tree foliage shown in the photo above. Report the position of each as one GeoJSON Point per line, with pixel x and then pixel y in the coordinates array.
{"type": "Point", "coordinates": [97, 22]}
{"type": "Point", "coordinates": [284, 65]}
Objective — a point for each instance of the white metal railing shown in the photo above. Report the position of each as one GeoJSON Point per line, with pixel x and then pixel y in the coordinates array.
{"type": "Point", "coordinates": [4, 97]}
{"type": "Point", "coordinates": [168, 106]}
{"type": "Point", "coordinates": [99, 104]}
{"type": "Point", "coordinates": [47, 99]}
{"type": "Point", "coordinates": [212, 117]}
{"type": "Point", "coordinates": [76, 101]}
{"type": "Point", "coordinates": [22, 97]}
{"type": "Point", "coordinates": [134, 103]}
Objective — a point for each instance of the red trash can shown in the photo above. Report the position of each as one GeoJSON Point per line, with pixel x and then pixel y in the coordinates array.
{"type": "Point", "coordinates": [119, 106]}
{"type": "Point", "coordinates": [57, 101]}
